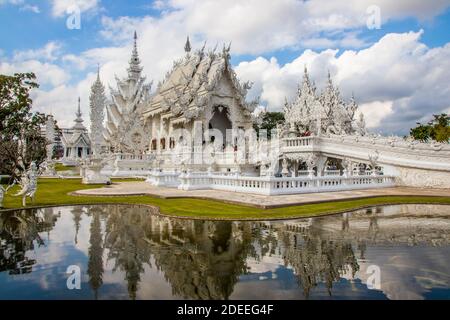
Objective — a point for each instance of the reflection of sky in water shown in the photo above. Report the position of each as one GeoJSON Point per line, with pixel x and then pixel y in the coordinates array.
{"type": "Point", "coordinates": [139, 255]}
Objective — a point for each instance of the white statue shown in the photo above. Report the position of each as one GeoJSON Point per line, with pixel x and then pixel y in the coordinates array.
{"type": "Point", "coordinates": [2, 194]}
{"type": "Point", "coordinates": [361, 125]}
{"type": "Point", "coordinates": [28, 184]}
{"type": "Point", "coordinates": [49, 168]}
{"type": "Point", "coordinates": [373, 158]}
{"type": "Point", "coordinates": [3, 191]}
{"type": "Point", "coordinates": [285, 167]}
{"type": "Point", "coordinates": [346, 165]}
{"type": "Point", "coordinates": [90, 170]}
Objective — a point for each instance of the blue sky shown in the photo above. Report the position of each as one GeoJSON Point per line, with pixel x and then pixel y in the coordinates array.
{"type": "Point", "coordinates": [271, 43]}
{"type": "Point", "coordinates": [24, 29]}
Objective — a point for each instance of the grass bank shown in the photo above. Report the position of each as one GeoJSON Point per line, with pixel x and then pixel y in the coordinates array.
{"type": "Point", "coordinates": [53, 192]}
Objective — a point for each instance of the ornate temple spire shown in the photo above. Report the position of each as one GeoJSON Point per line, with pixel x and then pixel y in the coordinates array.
{"type": "Point", "coordinates": [135, 69]}
{"type": "Point", "coordinates": [306, 87]}
{"type": "Point", "coordinates": [98, 72]}
{"type": "Point", "coordinates": [97, 103]}
{"type": "Point", "coordinates": [79, 114]}
{"type": "Point", "coordinates": [79, 120]}
{"type": "Point", "coordinates": [187, 46]}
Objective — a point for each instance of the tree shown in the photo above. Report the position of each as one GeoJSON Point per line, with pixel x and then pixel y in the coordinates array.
{"type": "Point", "coordinates": [269, 121]}
{"type": "Point", "coordinates": [21, 141]}
{"type": "Point", "coordinates": [437, 129]}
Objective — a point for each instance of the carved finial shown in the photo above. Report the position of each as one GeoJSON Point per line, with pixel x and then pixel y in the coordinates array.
{"type": "Point", "coordinates": [330, 81]}
{"type": "Point", "coordinates": [187, 46]}
{"type": "Point", "coordinates": [79, 120]}
{"type": "Point", "coordinates": [135, 69]}
{"type": "Point", "coordinates": [79, 107]}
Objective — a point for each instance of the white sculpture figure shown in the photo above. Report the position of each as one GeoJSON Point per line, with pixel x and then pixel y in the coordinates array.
{"type": "Point", "coordinates": [91, 170]}
{"type": "Point", "coordinates": [49, 168]}
{"type": "Point", "coordinates": [311, 163]}
{"type": "Point", "coordinates": [361, 125]}
{"type": "Point", "coordinates": [285, 167]}
{"type": "Point", "coordinates": [346, 165]}
{"type": "Point", "coordinates": [281, 130]}
{"type": "Point", "coordinates": [28, 184]}
{"type": "Point", "coordinates": [373, 158]}
{"type": "Point", "coordinates": [3, 191]}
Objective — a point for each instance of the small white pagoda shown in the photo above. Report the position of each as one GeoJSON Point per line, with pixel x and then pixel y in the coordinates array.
{"type": "Point", "coordinates": [76, 141]}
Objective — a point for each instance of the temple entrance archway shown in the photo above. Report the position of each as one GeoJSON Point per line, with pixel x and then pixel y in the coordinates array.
{"type": "Point", "coordinates": [220, 121]}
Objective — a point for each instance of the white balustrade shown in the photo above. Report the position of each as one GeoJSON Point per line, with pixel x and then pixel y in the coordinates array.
{"type": "Point", "coordinates": [163, 179]}
{"type": "Point", "coordinates": [277, 186]}
{"type": "Point", "coordinates": [332, 172]}
{"type": "Point", "coordinates": [298, 142]}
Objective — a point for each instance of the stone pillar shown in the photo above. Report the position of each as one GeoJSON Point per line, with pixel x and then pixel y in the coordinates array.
{"type": "Point", "coordinates": [197, 142]}
{"type": "Point", "coordinates": [321, 161]}
{"type": "Point", "coordinates": [296, 168]}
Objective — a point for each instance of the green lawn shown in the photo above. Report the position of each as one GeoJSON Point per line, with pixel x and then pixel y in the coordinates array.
{"type": "Point", "coordinates": [55, 192]}
{"type": "Point", "coordinates": [59, 167]}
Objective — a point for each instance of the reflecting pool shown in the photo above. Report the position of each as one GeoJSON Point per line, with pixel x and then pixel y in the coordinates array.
{"type": "Point", "coordinates": [129, 252]}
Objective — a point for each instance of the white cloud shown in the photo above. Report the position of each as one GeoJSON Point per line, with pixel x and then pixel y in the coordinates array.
{"type": "Point", "coordinates": [31, 8]}
{"type": "Point", "coordinates": [62, 101]}
{"type": "Point", "coordinates": [398, 80]}
{"type": "Point", "coordinates": [49, 52]}
{"type": "Point", "coordinates": [375, 112]}
{"type": "Point", "coordinates": [12, 2]}
{"type": "Point", "coordinates": [60, 7]}
{"type": "Point", "coordinates": [46, 73]}
{"type": "Point", "coordinates": [257, 26]}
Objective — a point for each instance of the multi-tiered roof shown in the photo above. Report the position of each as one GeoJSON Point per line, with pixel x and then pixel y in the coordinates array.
{"type": "Point", "coordinates": [188, 88]}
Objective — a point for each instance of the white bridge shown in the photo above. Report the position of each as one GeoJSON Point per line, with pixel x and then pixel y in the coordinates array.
{"type": "Point", "coordinates": [386, 161]}
{"type": "Point", "coordinates": [410, 162]}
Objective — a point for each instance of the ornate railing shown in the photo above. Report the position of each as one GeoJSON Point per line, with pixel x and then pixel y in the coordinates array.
{"type": "Point", "coordinates": [269, 185]}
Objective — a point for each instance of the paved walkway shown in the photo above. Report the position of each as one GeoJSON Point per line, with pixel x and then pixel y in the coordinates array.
{"type": "Point", "coordinates": [143, 188]}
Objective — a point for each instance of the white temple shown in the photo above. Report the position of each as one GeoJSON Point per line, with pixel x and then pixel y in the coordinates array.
{"type": "Point", "coordinates": [196, 132]}
{"type": "Point", "coordinates": [76, 141]}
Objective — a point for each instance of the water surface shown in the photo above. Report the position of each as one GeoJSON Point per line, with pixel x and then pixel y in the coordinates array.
{"type": "Point", "coordinates": [128, 252]}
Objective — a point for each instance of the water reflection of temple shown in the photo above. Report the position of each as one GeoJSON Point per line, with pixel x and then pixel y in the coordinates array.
{"type": "Point", "coordinates": [20, 232]}
{"type": "Point", "coordinates": [204, 259]}
{"type": "Point", "coordinates": [200, 259]}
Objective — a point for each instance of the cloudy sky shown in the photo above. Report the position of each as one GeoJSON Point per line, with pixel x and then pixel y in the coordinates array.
{"type": "Point", "coordinates": [398, 69]}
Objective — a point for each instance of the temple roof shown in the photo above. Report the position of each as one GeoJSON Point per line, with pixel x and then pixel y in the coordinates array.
{"type": "Point", "coordinates": [78, 133]}
{"type": "Point", "coordinates": [191, 82]}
